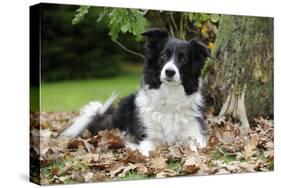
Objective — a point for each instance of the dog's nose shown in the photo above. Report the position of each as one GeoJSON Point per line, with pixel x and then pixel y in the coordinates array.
{"type": "Point", "coordinates": [170, 73]}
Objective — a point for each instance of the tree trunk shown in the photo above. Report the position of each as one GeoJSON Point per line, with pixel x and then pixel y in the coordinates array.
{"type": "Point", "coordinates": [239, 80]}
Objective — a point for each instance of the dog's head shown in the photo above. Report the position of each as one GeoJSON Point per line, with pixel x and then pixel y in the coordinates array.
{"type": "Point", "coordinates": [172, 61]}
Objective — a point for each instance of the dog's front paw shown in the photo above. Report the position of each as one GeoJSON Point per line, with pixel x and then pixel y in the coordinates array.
{"type": "Point", "coordinates": [146, 146]}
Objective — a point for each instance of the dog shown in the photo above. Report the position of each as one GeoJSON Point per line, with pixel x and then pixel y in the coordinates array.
{"type": "Point", "coordinates": [167, 108]}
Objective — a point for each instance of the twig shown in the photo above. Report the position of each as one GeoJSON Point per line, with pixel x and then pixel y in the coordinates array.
{"type": "Point", "coordinates": [128, 50]}
{"type": "Point", "coordinates": [181, 27]}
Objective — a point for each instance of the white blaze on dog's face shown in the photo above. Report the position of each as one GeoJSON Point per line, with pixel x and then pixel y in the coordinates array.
{"type": "Point", "coordinates": [170, 72]}
{"type": "Point", "coordinates": [180, 62]}
{"type": "Point", "coordinates": [174, 61]}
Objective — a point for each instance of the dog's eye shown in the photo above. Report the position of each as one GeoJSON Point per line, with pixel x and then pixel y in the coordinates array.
{"type": "Point", "coordinates": [164, 56]}
{"type": "Point", "coordinates": [181, 57]}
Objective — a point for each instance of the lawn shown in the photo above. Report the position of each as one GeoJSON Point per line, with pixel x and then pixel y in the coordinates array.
{"type": "Point", "coordinates": [72, 95]}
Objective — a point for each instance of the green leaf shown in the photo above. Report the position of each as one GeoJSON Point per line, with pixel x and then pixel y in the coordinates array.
{"type": "Point", "coordinates": [126, 21]}
{"type": "Point", "coordinates": [214, 18]}
{"type": "Point", "coordinates": [102, 14]}
{"type": "Point", "coordinates": [204, 17]}
{"type": "Point", "coordinates": [79, 16]}
{"type": "Point", "coordinates": [118, 20]}
{"type": "Point", "coordinates": [125, 28]}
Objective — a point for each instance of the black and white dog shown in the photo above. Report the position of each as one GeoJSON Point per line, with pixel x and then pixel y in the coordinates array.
{"type": "Point", "coordinates": [167, 107]}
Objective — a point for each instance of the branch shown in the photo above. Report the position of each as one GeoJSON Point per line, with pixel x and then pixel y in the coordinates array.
{"type": "Point", "coordinates": [182, 34]}
{"type": "Point", "coordinates": [128, 50]}
{"type": "Point", "coordinates": [173, 22]}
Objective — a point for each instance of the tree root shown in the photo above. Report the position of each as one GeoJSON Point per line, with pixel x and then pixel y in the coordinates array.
{"type": "Point", "coordinates": [235, 106]}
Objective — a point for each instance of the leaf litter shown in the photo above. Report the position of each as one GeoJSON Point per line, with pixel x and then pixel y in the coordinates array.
{"type": "Point", "coordinates": [104, 157]}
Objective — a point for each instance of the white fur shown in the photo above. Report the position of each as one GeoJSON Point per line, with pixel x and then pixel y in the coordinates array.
{"type": "Point", "coordinates": [170, 65]}
{"type": "Point", "coordinates": [169, 116]}
{"type": "Point", "coordinates": [87, 114]}
{"type": "Point", "coordinates": [144, 147]}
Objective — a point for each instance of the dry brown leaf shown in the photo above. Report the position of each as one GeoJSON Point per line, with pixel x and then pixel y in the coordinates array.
{"type": "Point", "coordinates": [141, 168]}
{"type": "Point", "coordinates": [222, 171]}
{"type": "Point", "coordinates": [158, 163]}
{"type": "Point", "coordinates": [132, 156]}
{"type": "Point", "coordinates": [250, 146]}
{"type": "Point", "coordinates": [115, 171]}
{"type": "Point", "coordinates": [88, 176]}
{"type": "Point", "coordinates": [75, 144]}
{"type": "Point", "coordinates": [45, 133]}
{"type": "Point", "coordinates": [191, 165]}
{"type": "Point", "coordinates": [100, 166]}
{"type": "Point", "coordinates": [102, 157]}
{"type": "Point", "coordinates": [126, 170]}
{"type": "Point", "coordinates": [111, 139]}
{"type": "Point", "coordinates": [165, 173]}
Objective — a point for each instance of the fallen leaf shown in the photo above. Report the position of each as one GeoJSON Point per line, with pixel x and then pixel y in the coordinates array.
{"type": "Point", "coordinates": [190, 165]}
{"type": "Point", "coordinates": [165, 173]}
{"type": "Point", "coordinates": [88, 176]}
{"type": "Point", "coordinates": [100, 166]}
{"type": "Point", "coordinates": [250, 146]}
{"type": "Point", "coordinates": [91, 158]}
{"type": "Point", "coordinates": [75, 144]}
{"type": "Point", "coordinates": [158, 163]}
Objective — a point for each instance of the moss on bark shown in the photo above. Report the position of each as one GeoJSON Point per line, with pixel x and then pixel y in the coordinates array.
{"type": "Point", "coordinates": [243, 55]}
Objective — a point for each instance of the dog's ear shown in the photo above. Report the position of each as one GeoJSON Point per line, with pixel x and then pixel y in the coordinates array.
{"type": "Point", "coordinates": [155, 40]}
{"type": "Point", "coordinates": [199, 53]}
{"type": "Point", "coordinates": [155, 34]}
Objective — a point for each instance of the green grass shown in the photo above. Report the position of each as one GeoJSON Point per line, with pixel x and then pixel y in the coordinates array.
{"type": "Point", "coordinates": [220, 154]}
{"type": "Point", "coordinates": [132, 175]}
{"type": "Point", "coordinates": [174, 165]}
{"type": "Point", "coordinates": [72, 95]}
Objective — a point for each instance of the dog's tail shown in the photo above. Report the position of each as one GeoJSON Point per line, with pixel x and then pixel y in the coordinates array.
{"type": "Point", "coordinates": [87, 115]}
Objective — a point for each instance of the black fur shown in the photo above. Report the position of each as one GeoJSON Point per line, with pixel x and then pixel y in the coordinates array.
{"type": "Point", "coordinates": [190, 58]}
{"type": "Point", "coordinates": [126, 118]}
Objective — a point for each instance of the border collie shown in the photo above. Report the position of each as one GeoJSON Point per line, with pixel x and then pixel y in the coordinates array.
{"type": "Point", "coordinates": [167, 109]}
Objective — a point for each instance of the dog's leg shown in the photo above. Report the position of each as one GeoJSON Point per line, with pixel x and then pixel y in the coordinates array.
{"type": "Point", "coordinates": [144, 147]}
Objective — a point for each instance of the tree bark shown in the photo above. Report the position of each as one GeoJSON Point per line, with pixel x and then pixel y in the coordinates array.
{"type": "Point", "coordinates": [239, 81]}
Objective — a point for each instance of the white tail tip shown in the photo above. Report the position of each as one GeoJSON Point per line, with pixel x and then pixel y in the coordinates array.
{"type": "Point", "coordinates": [87, 114]}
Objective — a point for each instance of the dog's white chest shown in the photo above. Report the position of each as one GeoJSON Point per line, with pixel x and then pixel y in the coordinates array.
{"type": "Point", "coordinates": [168, 114]}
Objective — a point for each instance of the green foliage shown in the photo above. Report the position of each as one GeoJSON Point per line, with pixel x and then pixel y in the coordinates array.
{"type": "Point", "coordinates": [200, 18]}
{"type": "Point", "coordinates": [214, 18]}
{"type": "Point", "coordinates": [124, 21]}
{"type": "Point", "coordinates": [206, 25]}
{"type": "Point", "coordinates": [79, 51]}
{"type": "Point", "coordinates": [135, 21]}
{"type": "Point", "coordinates": [81, 12]}
{"type": "Point", "coordinates": [119, 20]}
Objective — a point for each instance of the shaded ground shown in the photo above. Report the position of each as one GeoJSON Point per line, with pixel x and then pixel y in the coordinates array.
{"type": "Point", "coordinates": [103, 157]}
